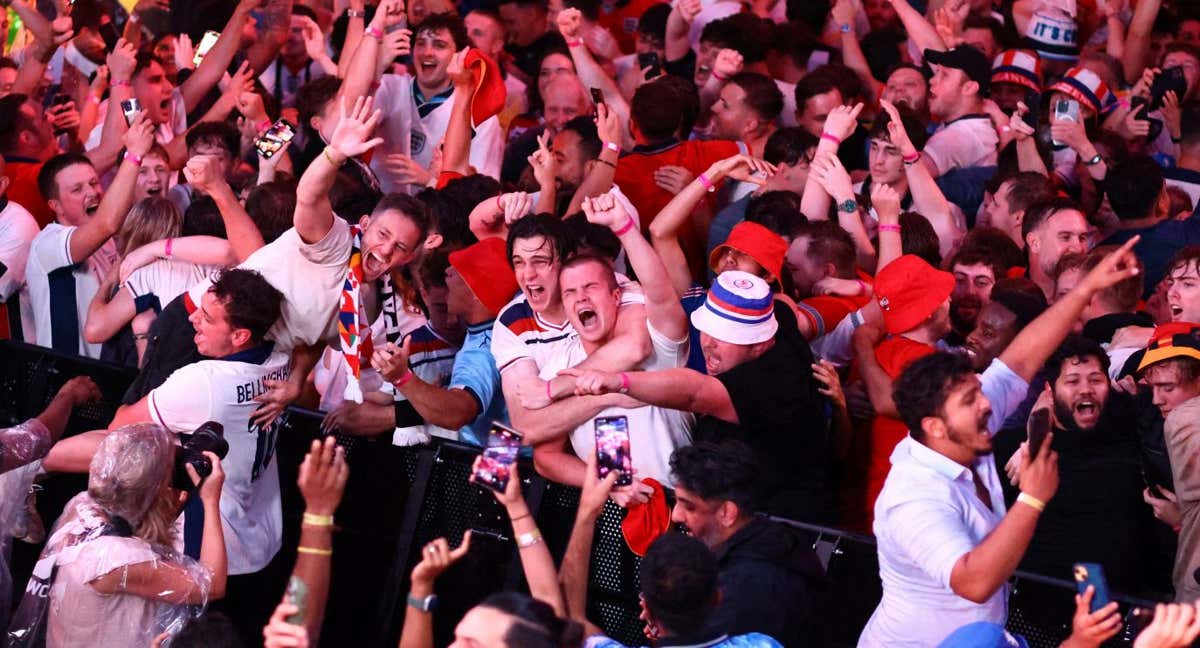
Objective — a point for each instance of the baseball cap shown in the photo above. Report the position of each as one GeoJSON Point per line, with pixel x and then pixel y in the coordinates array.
{"type": "Point", "coordinates": [1022, 67]}
{"type": "Point", "coordinates": [759, 243]}
{"type": "Point", "coordinates": [909, 290]}
{"type": "Point", "coordinates": [966, 58]}
{"type": "Point", "coordinates": [739, 309]}
{"type": "Point", "coordinates": [1173, 340]}
{"type": "Point", "coordinates": [983, 634]}
{"type": "Point", "coordinates": [484, 268]}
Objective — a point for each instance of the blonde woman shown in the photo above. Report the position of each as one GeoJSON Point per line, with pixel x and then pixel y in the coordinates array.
{"type": "Point", "coordinates": [119, 582]}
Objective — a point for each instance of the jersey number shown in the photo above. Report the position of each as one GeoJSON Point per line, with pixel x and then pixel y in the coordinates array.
{"type": "Point", "coordinates": [266, 445]}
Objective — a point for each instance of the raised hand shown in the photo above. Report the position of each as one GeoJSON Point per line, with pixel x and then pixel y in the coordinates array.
{"type": "Point", "coordinates": [1040, 477]}
{"type": "Point", "coordinates": [323, 475]}
{"type": "Point", "coordinates": [461, 75]}
{"type": "Point", "coordinates": [354, 127]}
{"type": "Point", "coordinates": [569, 23]}
{"type": "Point", "coordinates": [122, 61]}
{"type": "Point", "coordinates": [1090, 629]}
{"type": "Point", "coordinates": [140, 136]}
{"type": "Point", "coordinates": [886, 203]}
{"type": "Point", "coordinates": [388, 13]}
{"type": "Point", "coordinates": [596, 491]}
{"type": "Point", "coordinates": [842, 120]}
{"type": "Point", "coordinates": [688, 10]}
{"type": "Point", "coordinates": [516, 205]}
{"type": "Point", "coordinates": [1016, 123]}
{"type": "Point", "coordinates": [728, 63]}
{"type": "Point", "coordinates": [185, 52]}
{"type": "Point", "coordinates": [395, 44]}
{"type": "Point", "coordinates": [314, 39]}
{"type": "Point", "coordinates": [1175, 625]}
{"type": "Point", "coordinates": [204, 173]}
{"type": "Point", "coordinates": [828, 171]}
{"type": "Point", "coordinates": [545, 167]}
{"type": "Point", "coordinates": [743, 168]}
{"type": "Point", "coordinates": [844, 13]}
{"type": "Point", "coordinates": [436, 557]}
{"type": "Point", "coordinates": [1117, 266]}
{"type": "Point", "coordinates": [63, 117]}
{"type": "Point", "coordinates": [606, 211]}
{"type": "Point", "coordinates": [608, 124]}
{"type": "Point", "coordinates": [896, 133]}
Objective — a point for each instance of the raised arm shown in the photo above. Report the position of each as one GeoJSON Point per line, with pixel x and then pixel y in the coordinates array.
{"type": "Point", "coordinates": [273, 27]}
{"type": "Point", "coordinates": [663, 309]}
{"type": "Point", "coordinates": [1026, 354]}
{"type": "Point", "coordinates": [599, 178]}
{"type": "Point", "coordinates": [577, 560]}
{"type": "Point", "coordinates": [362, 71]}
{"type": "Point", "coordinates": [121, 63]}
{"type": "Point", "coordinates": [536, 560]}
{"type": "Point", "coordinates": [436, 557]}
{"type": "Point", "coordinates": [920, 31]}
{"type": "Point", "coordinates": [92, 234]}
{"type": "Point", "coordinates": [1137, 42]}
{"type": "Point", "coordinates": [679, 22]}
{"type": "Point", "coordinates": [204, 173]}
{"type": "Point", "coordinates": [354, 32]}
{"type": "Point", "coordinates": [845, 16]}
{"type": "Point", "coordinates": [108, 312]}
{"type": "Point", "coordinates": [206, 76]}
{"type": "Point", "coordinates": [886, 203]}
{"type": "Point", "coordinates": [456, 144]}
{"type": "Point", "coordinates": [322, 480]}
{"type": "Point", "coordinates": [928, 199]}
{"type": "Point", "coordinates": [828, 171]}
{"type": "Point", "coordinates": [590, 73]}
{"type": "Point", "coordinates": [839, 124]}
{"type": "Point", "coordinates": [314, 212]}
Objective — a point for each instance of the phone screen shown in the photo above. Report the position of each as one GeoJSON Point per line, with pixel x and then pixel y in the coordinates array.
{"type": "Point", "coordinates": [130, 108]}
{"type": "Point", "coordinates": [1092, 574]}
{"type": "Point", "coordinates": [495, 465]}
{"type": "Point", "coordinates": [1170, 79]}
{"type": "Point", "coordinates": [1039, 427]}
{"type": "Point", "coordinates": [1066, 110]}
{"type": "Point", "coordinates": [1033, 101]}
{"type": "Point", "coordinates": [206, 43]}
{"type": "Point", "coordinates": [612, 448]}
{"type": "Point", "coordinates": [297, 594]}
{"type": "Point", "coordinates": [597, 96]}
{"type": "Point", "coordinates": [280, 133]}
{"type": "Point", "coordinates": [650, 60]}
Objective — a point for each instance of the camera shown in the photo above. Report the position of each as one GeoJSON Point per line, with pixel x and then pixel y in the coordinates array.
{"type": "Point", "coordinates": [209, 437]}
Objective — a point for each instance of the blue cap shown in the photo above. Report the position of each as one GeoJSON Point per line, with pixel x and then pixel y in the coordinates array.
{"type": "Point", "coordinates": [983, 634]}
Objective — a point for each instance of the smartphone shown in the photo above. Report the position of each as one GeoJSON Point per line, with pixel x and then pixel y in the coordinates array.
{"type": "Point", "coordinates": [110, 35]}
{"type": "Point", "coordinates": [403, 24]}
{"type": "Point", "coordinates": [297, 594]}
{"type": "Point", "coordinates": [1156, 125]}
{"type": "Point", "coordinates": [1039, 427]}
{"type": "Point", "coordinates": [495, 465]}
{"type": "Point", "coordinates": [130, 107]}
{"type": "Point", "coordinates": [270, 142]}
{"type": "Point", "coordinates": [1092, 574]}
{"type": "Point", "coordinates": [612, 448]}
{"type": "Point", "coordinates": [1065, 110]}
{"type": "Point", "coordinates": [650, 60]}
{"type": "Point", "coordinates": [597, 96]}
{"type": "Point", "coordinates": [206, 43]}
{"type": "Point", "coordinates": [1169, 79]}
{"type": "Point", "coordinates": [1033, 101]}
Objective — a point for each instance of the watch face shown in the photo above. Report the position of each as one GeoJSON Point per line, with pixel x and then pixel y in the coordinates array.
{"type": "Point", "coordinates": [848, 206]}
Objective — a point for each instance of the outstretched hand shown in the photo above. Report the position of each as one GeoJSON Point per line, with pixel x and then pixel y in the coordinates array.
{"type": "Point", "coordinates": [350, 135]}
{"type": "Point", "coordinates": [436, 558]}
{"type": "Point", "coordinates": [323, 475]}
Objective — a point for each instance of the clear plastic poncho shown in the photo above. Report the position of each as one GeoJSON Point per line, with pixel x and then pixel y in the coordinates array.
{"type": "Point", "coordinates": [109, 575]}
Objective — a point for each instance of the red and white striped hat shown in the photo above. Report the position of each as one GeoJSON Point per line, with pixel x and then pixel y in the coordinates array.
{"type": "Point", "coordinates": [1086, 87]}
{"type": "Point", "coordinates": [1022, 67]}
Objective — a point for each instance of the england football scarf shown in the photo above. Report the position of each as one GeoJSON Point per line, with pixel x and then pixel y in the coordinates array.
{"type": "Point", "coordinates": [354, 331]}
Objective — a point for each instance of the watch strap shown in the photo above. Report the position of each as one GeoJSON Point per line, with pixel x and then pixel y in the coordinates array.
{"type": "Point", "coordinates": [426, 604]}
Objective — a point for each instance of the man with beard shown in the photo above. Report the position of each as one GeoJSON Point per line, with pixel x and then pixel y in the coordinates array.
{"type": "Point", "coordinates": [1097, 514]}
{"type": "Point", "coordinates": [947, 546]}
{"type": "Point", "coordinates": [984, 258]}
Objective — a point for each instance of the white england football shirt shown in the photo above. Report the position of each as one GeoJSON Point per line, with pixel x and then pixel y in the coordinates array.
{"type": "Point", "coordinates": [224, 391]}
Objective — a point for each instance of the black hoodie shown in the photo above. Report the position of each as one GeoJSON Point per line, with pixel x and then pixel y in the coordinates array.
{"type": "Point", "coordinates": [770, 578]}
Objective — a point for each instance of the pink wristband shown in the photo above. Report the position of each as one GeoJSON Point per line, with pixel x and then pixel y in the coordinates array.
{"type": "Point", "coordinates": [403, 380]}
{"type": "Point", "coordinates": [832, 138]}
{"type": "Point", "coordinates": [167, 247]}
{"type": "Point", "coordinates": [862, 286]}
{"type": "Point", "coordinates": [625, 228]}
{"type": "Point", "coordinates": [574, 43]}
{"type": "Point", "coordinates": [718, 77]}
{"type": "Point", "coordinates": [374, 32]}
{"type": "Point", "coordinates": [118, 84]}
{"type": "Point", "coordinates": [624, 382]}
{"type": "Point", "coordinates": [909, 159]}
{"type": "Point", "coordinates": [499, 207]}
{"type": "Point", "coordinates": [889, 227]}
{"type": "Point", "coordinates": [708, 185]}
{"type": "Point", "coordinates": [135, 159]}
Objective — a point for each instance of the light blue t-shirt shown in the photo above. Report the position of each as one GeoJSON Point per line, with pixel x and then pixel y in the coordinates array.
{"type": "Point", "coordinates": [475, 372]}
{"type": "Point", "coordinates": [752, 640]}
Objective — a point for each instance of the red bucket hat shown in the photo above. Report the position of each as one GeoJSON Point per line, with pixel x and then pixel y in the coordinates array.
{"type": "Point", "coordinates": [909, 290]}
{"type": "Point", "coordinates": [490, 92]}
{"type": "Point", "coordinates": [484, 267]}
{"type": "Point", "coordinates": [643, 523]}
{"type": "Point", "coordinates": [759, 243]}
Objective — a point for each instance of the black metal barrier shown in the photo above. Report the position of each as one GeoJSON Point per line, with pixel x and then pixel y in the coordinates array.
{"type": "Point", "coordinates": [398, 499]}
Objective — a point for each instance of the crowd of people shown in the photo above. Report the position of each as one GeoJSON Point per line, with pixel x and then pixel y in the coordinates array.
{"type": "Point", "coordinates": [927, 270]}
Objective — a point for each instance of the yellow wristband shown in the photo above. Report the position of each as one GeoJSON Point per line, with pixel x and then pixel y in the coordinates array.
{"type": "Point", "coordinates": [317, 520]}
{"type": "Point", "coordinates": [335, 163]}
{"type": "Point", "coordinates": [313, 551]}
{"type": "Point", "coordinates": [1031, 501]}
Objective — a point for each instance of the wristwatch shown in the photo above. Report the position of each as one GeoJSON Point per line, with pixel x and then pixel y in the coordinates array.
{"type": "Point", "coordinates": [849, 206]}
{"type": "Point", "coordinates": [846, 28]}
{"type": "Point", "coordinates": [426, 604]}
{"type": "Point", "coordinates": [356, 13]}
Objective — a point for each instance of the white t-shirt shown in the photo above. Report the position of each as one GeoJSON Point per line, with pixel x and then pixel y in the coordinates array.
{"type": "Point", "coordinates": [310, 277]}
{"type": "Point", "coordinates": [224, 391]}
{"type": "Point", "coordinates": [654, 432]}
{"type": "Point", "coordinates": [51, 252]}
{"type": "Point", "coordinates": [167, 279]}
{"type": "Point", "coordinates": [968, 141]}
{"type": "Point", "coordinates": [17, 230]}
{"type": "Point", "coordinates": [175, 125]}
{"type": "Point", "coordinates": [405, 132]}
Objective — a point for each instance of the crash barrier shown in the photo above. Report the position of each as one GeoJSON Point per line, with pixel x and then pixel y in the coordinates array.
{"type": "Point", "coordinates": [398, 499]}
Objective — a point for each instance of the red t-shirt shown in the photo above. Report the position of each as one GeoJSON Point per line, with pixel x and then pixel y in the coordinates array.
{"type": "Point", "coordinates": [893, 355]}
{"type": "Point", "coordinates": [22, 174]}
{"type": "Point", "coordinates": [635, 177]}
{"type": "Point", "coordinates": [622, 22]}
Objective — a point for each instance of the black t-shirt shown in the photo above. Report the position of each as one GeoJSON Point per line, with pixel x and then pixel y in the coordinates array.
{"type": "Point", "coordinates": [784, 419]}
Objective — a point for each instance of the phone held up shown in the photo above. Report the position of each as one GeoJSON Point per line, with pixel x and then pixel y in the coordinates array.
{"type": "Point", "coordinates": [130, 108]}
{"type": "Point", "coordinates": [1092, 574]}
{"type": "Point", "coordinates": [612, 448]}
{"type": "Point", "coordinates": [270, 142]}
{"type": "Point", "coordinates": [494, 469]}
